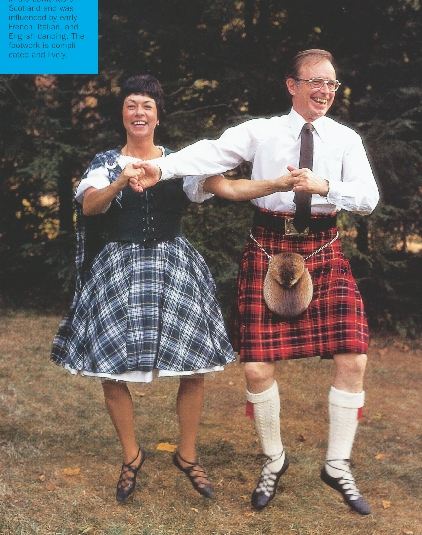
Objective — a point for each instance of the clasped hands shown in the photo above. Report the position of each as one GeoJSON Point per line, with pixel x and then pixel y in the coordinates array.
{"type": "Point", "coordinates": [304, 180]}
{"type": "Point", "coordinates": [141, 175]}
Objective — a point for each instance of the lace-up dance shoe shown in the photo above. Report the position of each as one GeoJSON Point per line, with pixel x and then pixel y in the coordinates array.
{"type": "Point", "coordinates": [127, 481]}
{"type": "Point", "coordinates": [347, 487]}
{"type": "Point", "coordinates": [196, 474]}
{"type": "Point", "coordinates": [267, 483]}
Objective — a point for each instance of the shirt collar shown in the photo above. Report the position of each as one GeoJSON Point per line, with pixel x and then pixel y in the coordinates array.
{"type": "Point", "coordinates": [297, 122]}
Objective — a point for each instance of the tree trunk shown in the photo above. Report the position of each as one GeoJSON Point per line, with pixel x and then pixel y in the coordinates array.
{"type": "Point", "coordinates": [65, 193]}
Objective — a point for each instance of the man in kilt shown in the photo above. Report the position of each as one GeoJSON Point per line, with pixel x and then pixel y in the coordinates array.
{"type": "Point", "coordinates": [334, 325]}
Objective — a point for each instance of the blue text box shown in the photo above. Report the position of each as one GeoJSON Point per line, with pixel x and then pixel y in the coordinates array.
{"type": "Point", "coordinates": [48, 36]}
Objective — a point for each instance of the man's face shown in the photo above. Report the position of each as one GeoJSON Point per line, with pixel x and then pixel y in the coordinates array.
{"type": "Point", "coordinates": [307, 102]}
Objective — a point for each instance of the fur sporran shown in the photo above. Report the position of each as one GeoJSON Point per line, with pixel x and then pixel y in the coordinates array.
{"type": "Point", "coordinates": [288, 286]}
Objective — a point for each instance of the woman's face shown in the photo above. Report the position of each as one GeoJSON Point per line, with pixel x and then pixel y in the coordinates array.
{"type": "Point", "coordinates": [140, 116]}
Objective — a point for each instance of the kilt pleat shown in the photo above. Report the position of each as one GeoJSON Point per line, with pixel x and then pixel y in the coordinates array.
{"type": "Point", "coordinates": [334, 322]}
{"type": "Point", "coordinates": [142, 309]}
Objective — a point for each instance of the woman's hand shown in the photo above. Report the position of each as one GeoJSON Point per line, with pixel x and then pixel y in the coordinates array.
{"type": "Point", "coordinates": [131, 175]}
{"type": "Point", "coordinates": [97, 201]}
{"type": "Point", "coordinates": [150, 174]}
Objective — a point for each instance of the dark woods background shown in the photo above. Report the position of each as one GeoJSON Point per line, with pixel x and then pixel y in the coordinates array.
{"type": "Point", "coordinates": [220, 62]}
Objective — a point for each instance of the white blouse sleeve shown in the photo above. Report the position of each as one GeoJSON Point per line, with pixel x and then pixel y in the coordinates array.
{"type": "Point", "coordinates": [193, 186]}
{"type": "Point", "coordinates": [96, 178]}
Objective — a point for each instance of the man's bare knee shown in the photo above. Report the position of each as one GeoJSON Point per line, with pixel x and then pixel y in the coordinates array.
{"type": "Point", "coordinates": [350, 370]}
{"type": "Point", "coordinates": [259, 376]}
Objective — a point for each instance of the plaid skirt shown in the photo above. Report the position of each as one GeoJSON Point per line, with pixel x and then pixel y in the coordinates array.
{"type": "Point", "coordinates": [142, 309]}
{"type": "Point", "coordinates": [334, 322]}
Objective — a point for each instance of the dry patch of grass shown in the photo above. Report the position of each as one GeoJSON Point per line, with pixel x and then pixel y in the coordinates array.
{"type": "Point", "coordinates": [60, 458]}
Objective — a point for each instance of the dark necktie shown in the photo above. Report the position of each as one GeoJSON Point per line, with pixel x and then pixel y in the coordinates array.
{"type": "Point", "coordinates": [302, 217]}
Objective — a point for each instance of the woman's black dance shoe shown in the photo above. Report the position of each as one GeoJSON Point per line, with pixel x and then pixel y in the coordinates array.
{"type": "Point", "coordinates": [127, 479]}
{"type": "Point", "coordinates": [196, 479]}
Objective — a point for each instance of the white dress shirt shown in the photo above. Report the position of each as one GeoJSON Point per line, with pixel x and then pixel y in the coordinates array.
{"type": "Point", "coordinates": [273, 144]}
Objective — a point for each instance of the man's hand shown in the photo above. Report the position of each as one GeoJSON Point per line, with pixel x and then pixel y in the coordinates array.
{"type": "Point", "coordinates": [149, 175]}
{"type": "Point", "coordinates": [305, 180]}
{"type": "Point", "coordinates": [285, 182]}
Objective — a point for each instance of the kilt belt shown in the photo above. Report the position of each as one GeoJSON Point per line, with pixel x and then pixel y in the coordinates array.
{"type": "Point", "coordinates": [285, 224]}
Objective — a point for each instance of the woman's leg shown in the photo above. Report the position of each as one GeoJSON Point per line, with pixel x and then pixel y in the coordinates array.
{"type": "Point", "coordinates": [190, 400]}
{"type": "Point", "coordinates": [120, 408]}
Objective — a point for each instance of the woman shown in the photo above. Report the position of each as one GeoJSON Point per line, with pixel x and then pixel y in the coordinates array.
{"type": "Point", "coordinates": [145, 300]}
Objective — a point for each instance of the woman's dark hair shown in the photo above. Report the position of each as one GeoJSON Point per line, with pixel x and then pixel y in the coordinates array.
{"type": "Point", "coordinates": [143, 84]}
{"type": "Point", "coordinates": [301, 57]}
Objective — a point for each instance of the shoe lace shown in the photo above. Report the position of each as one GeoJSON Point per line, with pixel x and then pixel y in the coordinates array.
{"type": "Point", "coordinates": [346, 480]}
{"type": "Point", "coordinates": [267, 478]}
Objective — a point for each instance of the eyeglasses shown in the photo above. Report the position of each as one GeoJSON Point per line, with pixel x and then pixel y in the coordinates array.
{"type": "Point", "coordinates": [317, 83]}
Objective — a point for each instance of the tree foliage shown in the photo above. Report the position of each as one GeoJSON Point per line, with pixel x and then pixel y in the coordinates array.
{"type": "Point", "coordinates": [221, 62]}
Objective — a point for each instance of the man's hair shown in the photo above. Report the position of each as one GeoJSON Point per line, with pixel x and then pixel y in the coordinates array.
{"type": "Point", "coordinates": [143, 84]}
{"type": "Point", "coordinates": [302, 57]}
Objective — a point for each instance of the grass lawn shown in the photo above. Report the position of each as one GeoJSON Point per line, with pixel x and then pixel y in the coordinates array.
{"type": "Point", "coordinates": [60, 458]}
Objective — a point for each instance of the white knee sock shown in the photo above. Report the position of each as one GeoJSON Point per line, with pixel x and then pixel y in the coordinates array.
{"type": "Point", "coordinates": [345, 410]}
{"type": "Point", "coordinates": [266, 412]}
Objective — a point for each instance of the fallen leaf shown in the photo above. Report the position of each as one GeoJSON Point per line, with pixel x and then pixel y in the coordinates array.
{"type": "Point", "coordinates": [166, 446]}
{"type": "Point", "coordinates": [400, 345]}
{"type": "Point", "coordinates": [383, 351]}
{"type": "Point", "coordinates": [386, 504]}
{"type": "Point", "coordinates": [71, 471]}
{"type": "Point", "coordinates": [140, 394]}
{"type": "Point", "coordinates": [248, 514]}
{"type": "Point", "coordinates": [380, 456]}
{"type": "Point", "coordinates": [193, 509]}
{"type": "Point", "coordinates": [225, 439]}
{"type": "Point", "coordinates": [231, 383]}
{"type": "Point", "coordinates": [86, 530]}
{"type": "Point", "coordinates": [41, 477]}
{"type": "Point", "coordinates": [377, 416]}
{"type": "Point", "coordinates": [407, 532]}
{"type": "Point", "coordinates": [50, 487]}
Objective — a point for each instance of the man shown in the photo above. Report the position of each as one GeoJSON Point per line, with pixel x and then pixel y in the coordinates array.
{"type": "Point", "coordinates": [335, 176]}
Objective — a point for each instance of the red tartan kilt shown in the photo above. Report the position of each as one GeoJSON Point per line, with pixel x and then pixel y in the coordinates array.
{"type": "Point", "coordinates": [334, 322]}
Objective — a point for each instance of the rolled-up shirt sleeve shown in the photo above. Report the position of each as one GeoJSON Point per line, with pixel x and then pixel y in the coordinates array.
{"type": "Point", "coordinates": [357, 191]}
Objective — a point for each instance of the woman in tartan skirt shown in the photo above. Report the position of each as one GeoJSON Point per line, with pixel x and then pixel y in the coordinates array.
{"type": "Point", "coordinates": [145, 301]}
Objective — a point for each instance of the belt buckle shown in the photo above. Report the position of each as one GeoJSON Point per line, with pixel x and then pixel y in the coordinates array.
{"type": "Point", "coordinates": [290, 230]}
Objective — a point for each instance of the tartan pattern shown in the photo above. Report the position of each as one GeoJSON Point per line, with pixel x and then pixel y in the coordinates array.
{"type": "Point", "coordinates": [334, 322]}
{"type": "Point", "coordinates": [137, 308]}
{"type": "Point", "coordinates": [144, 308]}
